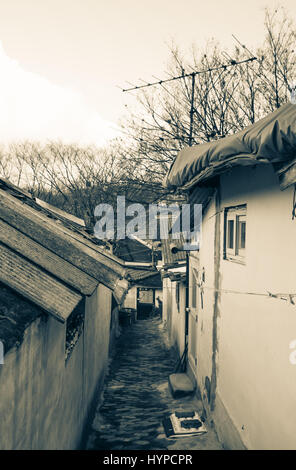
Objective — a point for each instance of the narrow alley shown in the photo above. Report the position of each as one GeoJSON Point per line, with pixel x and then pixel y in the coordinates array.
{"type": "Point", "coordinates": [137, 396]}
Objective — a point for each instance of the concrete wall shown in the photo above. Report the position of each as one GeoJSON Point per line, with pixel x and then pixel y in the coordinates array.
{"type": "Point", "coordinates": [130, 300]}
{"type": "Point", "coordinates": [166, 297]}
{"type": "Point", "coordinates": [174, 318]}
{"type": "Point", "coordinates": [45, 401]}
{"type": "Point", "coordinates": [177, 323]}
{"type": "Point", "coordinates": [244, 371]}
{"type": "Point", "coordinates": [202, 369]}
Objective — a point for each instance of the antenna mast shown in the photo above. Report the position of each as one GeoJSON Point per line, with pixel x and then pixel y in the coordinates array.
{"type": "Point", "coordinates": [192, 75]}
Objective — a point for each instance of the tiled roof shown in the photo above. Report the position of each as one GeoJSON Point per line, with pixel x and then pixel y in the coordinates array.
{"type": "Point", "coordinates": [46, 259]}
{"type": "Point", "coordinates": [40, 205]}
{"type": "Point", "coordinates": [36, 285]}
{"type": "Point", "coordinates": [135, 274]}
{"type": "Point", "coordinates": [151, 281]}
{"type": "Point", "coordinates": [132, 250]}
{"type": "Point", "coordinates": [65, 243]}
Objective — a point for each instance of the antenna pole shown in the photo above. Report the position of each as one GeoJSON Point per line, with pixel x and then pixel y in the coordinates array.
{"type": "Point", "coordinates": [192, 75]}
{"type": "Point", "coordinates": [191, 109]}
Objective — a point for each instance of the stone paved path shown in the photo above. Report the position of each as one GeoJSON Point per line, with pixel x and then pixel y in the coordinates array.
{"type": "Point", "coordinates": [137, 396]}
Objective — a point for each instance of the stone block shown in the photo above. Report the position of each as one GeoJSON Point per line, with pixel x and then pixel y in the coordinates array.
{"type": "Point", "coordinates": [181, 385]}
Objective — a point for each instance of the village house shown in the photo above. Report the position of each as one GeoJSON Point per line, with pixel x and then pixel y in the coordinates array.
{"type": "Point", "coordinates": [174, 280]}
{"type": "Point", "coordinates": [56, 297]}
{"type": "Point", "coordinates": [145, 285]}
{"type": "Point", "coordinates": [242, 296]}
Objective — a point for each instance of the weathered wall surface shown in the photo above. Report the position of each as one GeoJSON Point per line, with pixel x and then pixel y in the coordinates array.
{"type": "Point", "coordinates": [44, 401]}
{"type": "Point", "coordinates": [97, 342]}
{"type": "Point", "coordinates": [202, 370]}
{"type": "Point", "coordinates": [177, 322]}
{"type": "Point", "coordinates": [254, 397]}
{"type": "Point", "coordinates": [130, 300]}
{"type": "Point", "coordinates": [158, 293]}
{"type": "Point", "coordinates": [166, 307]}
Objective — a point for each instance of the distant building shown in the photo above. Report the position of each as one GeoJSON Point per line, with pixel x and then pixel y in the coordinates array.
{"type": "Point", "coordinates": [145, 284]}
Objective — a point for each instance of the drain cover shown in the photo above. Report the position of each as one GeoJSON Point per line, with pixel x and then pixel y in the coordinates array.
{"type": "Point", "coordinates": [183, 424]}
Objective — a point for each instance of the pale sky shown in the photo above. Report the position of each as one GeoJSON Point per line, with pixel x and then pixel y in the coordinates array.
{"type": "Point", "coordinates": [62, 60]}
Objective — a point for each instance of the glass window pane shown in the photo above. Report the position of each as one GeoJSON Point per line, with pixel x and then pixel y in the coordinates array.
{"type": "Point", "coordinates": [230, 232]}
{"type": "Point", "coordinates": [242, 237]}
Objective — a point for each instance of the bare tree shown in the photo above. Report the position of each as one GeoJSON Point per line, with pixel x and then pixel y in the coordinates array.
{"type": "Point", "coordinates": [229, 94]}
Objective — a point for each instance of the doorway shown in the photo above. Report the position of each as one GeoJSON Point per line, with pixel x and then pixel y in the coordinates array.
{"type": "Point", "coordinates": [145, 302]}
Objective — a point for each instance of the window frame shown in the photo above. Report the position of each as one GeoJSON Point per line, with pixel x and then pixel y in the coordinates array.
{"type": "Point", "coordinates": [238, 215]}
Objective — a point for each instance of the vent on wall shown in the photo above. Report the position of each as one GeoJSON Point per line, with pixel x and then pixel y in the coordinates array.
{"type": "Point", "coordinates": [74, 329]}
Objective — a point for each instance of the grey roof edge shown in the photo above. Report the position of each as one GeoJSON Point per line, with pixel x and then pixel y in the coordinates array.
{"type": "Point", "coordinates": [47, 259]}
{"type": "Point", "coordinates": [35, 285]}
{"type": "Point", "coordinates": [60, 241]}
{"type": "Point", "coordinates": [53, 215]}
{"type": "Point", "coordinates": [271, 140]}
{"type": "Point", "coordinates": [221, 167]}
{"type": "Point", "coordinates": [120, 290]}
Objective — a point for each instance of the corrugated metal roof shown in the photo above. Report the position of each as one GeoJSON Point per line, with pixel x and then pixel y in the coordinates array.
{"type": "Point", "coordinates": [36, 285]}
{"type": "Point", "coordinates": [46, 259]}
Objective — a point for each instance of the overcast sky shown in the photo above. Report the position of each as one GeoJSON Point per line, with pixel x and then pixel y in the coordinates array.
{"type": "Point", "coordinates": [61, 60]}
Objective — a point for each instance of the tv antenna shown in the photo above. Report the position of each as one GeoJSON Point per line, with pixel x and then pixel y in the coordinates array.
{"type": "Point", "coordinates": [231, 63]}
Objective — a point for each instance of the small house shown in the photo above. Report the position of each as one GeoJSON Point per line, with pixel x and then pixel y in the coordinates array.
{"type": "Point", "coordinates": [174, 279]}
{"type": "Point", "coordinates": [56, 289]}
{"type": "Point", "coordinates": [242, 297]}
{"type": "Point", "coordinates": [145, 285]}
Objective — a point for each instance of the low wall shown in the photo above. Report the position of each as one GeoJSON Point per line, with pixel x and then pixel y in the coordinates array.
{"type": "Point", "coordinates": [45, 401]}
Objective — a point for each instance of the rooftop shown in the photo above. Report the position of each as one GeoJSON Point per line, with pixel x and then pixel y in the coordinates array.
{"type": "Point", "coordinates": [270, 140]}
{"type": "Point", "coordinates": [57, 246]}
{"type": "Point", "coordinates": [132, 250]}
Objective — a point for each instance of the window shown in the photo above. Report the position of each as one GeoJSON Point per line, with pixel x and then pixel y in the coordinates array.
{"type": "Point", "coordinates": [235, 233]}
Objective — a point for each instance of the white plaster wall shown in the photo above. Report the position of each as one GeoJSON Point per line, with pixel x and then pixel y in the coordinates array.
{"type": "Point", "coordinates": [166, 308]}
{"type": "Point", "coordinates": [204, 324]}
{"type": "Point", "coordinates": [45, 401]}
{"type": "Point", "coordinates": [256, 381]}
{"type": "Point", "coordinates": [177, 332]}
{"type": "Point", "coordinates": [130, 300]}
